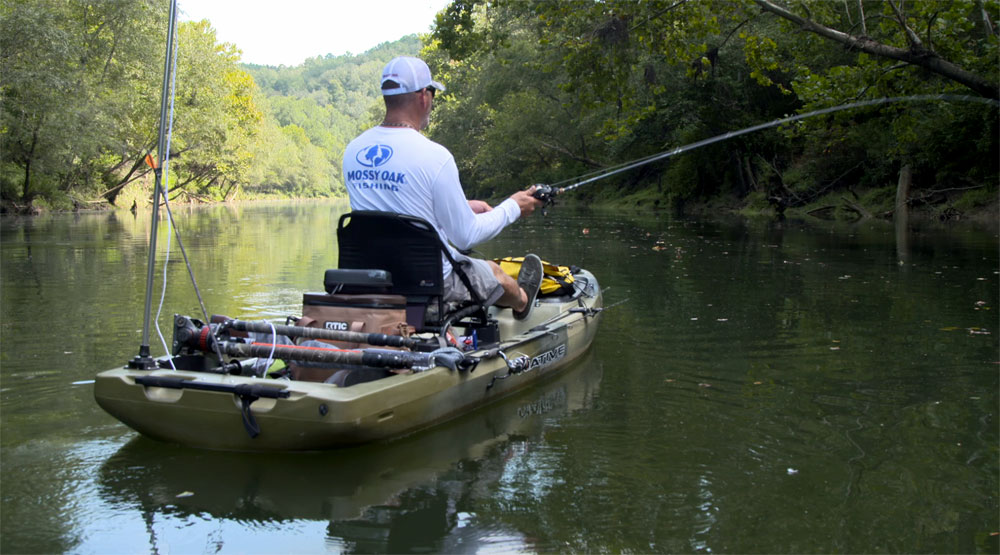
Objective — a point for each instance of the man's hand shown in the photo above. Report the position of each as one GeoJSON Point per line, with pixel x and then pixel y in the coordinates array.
{"type": "Point", "coordinates": [479, 206]}
{"type": "Point", "coordinates": [526, 202]}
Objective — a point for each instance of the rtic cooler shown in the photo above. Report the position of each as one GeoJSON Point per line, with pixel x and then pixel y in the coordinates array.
{"type": "Point", "coordinates": [372, 313]}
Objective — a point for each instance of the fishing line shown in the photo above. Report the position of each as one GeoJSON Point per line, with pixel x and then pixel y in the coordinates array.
{"type": "Point", "coordinates": [613, 170]}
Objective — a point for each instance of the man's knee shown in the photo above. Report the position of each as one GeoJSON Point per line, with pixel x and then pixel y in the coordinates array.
{"type": "Point", "coordinates": [512, 294]}
{"type": "Point", "coordinates": [498, 272]}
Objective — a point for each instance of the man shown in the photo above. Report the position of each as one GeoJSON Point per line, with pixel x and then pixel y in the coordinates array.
{"type": "Point", "coordinates": [394, 168]}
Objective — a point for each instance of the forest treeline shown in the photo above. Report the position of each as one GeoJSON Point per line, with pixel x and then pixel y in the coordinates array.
{"type": "Point", "coordinates": [80, 109]}
{"type": "Point", "coordinates": [537, 91]}
{"type": "Point", "coordinates": [545, 91]}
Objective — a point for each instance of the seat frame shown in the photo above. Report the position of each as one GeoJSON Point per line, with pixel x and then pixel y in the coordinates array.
{"type": "Point", "coordinates": [410, 249]}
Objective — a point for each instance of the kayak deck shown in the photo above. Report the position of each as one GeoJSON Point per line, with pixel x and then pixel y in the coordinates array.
{"type": "Point", "coordinates": [218, 411]}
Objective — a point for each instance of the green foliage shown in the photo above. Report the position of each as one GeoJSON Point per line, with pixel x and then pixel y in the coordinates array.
{"type": "Point", "coordinates": [73, 91]}
{"type": "Point", "coordinates": [881, 199]}
{"type": "Point", "coordinates": [537, 91]}
{"type": "Point", "coordinates": [979, 198]}
{"type": "Point", "coordinates": [548, 91]}
{"type": "Point", "coordinates": [309, 115]}
{"type": "Point", "coordinates": [947, 144]}
{"type": "Point", "coordinates": [216, 119]}
{"type": "Point", "coordinates": [79, 108]}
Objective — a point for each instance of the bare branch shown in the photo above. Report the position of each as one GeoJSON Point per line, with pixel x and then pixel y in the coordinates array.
{"type": "Point", "coordinates": [861, 12]}
{"type": "Point", "coordinates": [984, 18]}
{"type": "Point", "coordinates": [567, 152]}
{"type": "Point", "coordinates": [926, 59]}
{"type": "Point", "coordinates": [915, 42]}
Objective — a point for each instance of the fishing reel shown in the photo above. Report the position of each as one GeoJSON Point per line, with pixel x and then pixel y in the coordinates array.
{"type": "Point", "coordinates": [546, 194]}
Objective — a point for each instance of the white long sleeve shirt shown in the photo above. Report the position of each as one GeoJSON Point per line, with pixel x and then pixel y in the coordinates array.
{"type": "Point", "coordinates": [399, 170]}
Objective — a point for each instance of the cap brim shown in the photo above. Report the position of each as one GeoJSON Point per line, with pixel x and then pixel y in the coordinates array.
{"type": "Point", "coordinates": [437, 86]}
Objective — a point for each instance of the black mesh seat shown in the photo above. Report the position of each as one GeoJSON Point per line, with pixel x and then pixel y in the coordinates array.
{"type": "Point", "coordinates": [410, 249]}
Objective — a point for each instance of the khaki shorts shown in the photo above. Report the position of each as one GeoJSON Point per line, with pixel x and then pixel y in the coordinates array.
{"type": "Point", "coordinates": [480, 275]}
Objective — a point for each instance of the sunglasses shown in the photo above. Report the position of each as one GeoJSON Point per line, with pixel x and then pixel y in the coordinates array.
{"type": "Point", "coordinates": [431, 90]}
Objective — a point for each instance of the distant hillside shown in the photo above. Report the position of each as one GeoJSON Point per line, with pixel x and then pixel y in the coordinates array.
{"type": "Point", "coordinates": [313, 110]}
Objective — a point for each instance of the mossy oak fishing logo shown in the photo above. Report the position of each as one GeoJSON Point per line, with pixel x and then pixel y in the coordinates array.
{"type": "Point", "coordinates": [374, 156]}
{"type": "Point", "coordinates": [548, 357]}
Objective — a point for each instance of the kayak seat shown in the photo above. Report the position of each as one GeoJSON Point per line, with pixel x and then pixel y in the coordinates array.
{"type": "Point", "coordinates": [357, 282]}
{"type": "Point", "coordinates": [409, 249]}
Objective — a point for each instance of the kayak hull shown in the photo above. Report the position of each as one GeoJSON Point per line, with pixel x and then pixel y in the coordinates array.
{"type": "Point", "coordinates": [317, 416]}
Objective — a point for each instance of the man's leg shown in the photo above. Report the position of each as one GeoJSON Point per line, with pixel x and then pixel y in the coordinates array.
{"type": "Point", "coordinates": [520, 294]}
{"type": "Point", "coordinates": [513, 296]}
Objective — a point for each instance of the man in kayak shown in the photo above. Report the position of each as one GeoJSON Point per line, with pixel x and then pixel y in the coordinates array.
{"type": "Point", "coordinates": [393, 168]}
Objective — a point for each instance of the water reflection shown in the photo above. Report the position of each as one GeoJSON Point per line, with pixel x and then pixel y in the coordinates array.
{"type": "Point", "coordinates": [768, 388]}
{"type": "Point", "coordinates": [404, 495]}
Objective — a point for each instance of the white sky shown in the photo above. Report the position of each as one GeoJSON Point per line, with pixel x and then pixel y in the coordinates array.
{"type": "Point", "coordinates": [286, 32]}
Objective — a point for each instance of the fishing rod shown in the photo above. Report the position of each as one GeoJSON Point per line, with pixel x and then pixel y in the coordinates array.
{"type": "Point", "coordinates": [376, 339]}
{"type": "Point", "coordinates": [192, 336]}
{"type": "Point", "coordinates": [143, 361]}
{"type": "Point", "coordinates": [548, 192]}
{"type": "Point", "coordinates": [160, 167]}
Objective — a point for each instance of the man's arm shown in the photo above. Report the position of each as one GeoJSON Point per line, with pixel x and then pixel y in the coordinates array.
{"type": "Point", "coordinates": [479, 206]}
{"type": "Point", "coordinates": [462, 226]}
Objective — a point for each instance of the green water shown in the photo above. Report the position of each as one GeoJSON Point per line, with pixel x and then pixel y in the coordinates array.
{"type": "Point", "coordinates": [765, 388]}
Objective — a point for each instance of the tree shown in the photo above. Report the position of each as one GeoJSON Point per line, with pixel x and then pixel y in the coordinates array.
{"type": "Point", "coordinates": [73, 85]}
{"type": "Point", "coordinates": [944, 22]}
{"type": "Point", "coordinates": [311, 112]}
{"type": "Point", "coordinates": [216, 118]}
{"type": "Point", "coordinates": [636, 78]}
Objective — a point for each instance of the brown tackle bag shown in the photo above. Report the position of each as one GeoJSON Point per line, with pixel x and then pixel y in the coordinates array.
{"type": "Point", "coordinates": [368, 313]}
{"type": "Point", "coordinates": [374, 313]}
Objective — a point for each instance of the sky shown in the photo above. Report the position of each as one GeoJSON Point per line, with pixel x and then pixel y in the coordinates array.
{"type": "Point", "coordinates": [286, 32]}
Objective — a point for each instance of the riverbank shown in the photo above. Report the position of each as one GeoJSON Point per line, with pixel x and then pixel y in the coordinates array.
{"type": "Point", "coordinates": [977, 211]}
{"type": "Point", "coordinates": [8, 208]}
{"type": "Point", "coordinates": [978, 208]}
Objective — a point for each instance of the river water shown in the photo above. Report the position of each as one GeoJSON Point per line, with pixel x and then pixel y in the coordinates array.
{"type": "Point", "coordinates": [765, 387]}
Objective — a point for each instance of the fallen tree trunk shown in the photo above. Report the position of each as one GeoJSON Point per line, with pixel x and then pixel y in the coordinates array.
{"type": "Point", "coordinates": [860, 210]}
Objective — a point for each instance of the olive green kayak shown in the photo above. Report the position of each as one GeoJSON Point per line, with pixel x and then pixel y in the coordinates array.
{"type": "Point", "coordinates": [199, 403]}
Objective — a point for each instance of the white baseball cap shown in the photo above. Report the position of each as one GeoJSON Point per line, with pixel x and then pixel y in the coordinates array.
{"type": "Point", "coordinates": [412, 74]}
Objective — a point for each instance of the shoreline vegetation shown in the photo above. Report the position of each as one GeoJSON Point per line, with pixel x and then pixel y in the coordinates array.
{"type": "Point", "coordinates": [537, 93]}
{"type": "Point", "coordinates": [979, 217]}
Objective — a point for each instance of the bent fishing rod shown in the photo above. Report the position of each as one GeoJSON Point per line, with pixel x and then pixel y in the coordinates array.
{"type": "Point", "coordinates": [547, 193]}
